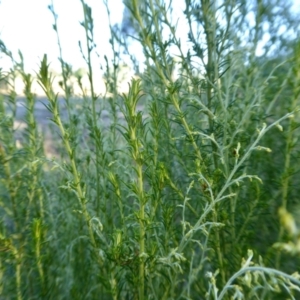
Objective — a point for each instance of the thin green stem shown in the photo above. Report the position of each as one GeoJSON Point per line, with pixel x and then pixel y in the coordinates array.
{"type": "Point", "coordinates": [173, 96]}
{"type": "Point", "coordinates": [88, 27]}
{"type": "Point", "coordinates": [44, 79]}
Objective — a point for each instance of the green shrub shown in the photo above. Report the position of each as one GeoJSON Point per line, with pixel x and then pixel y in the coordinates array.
{"type": "Point", "coordinates": [189, 194]}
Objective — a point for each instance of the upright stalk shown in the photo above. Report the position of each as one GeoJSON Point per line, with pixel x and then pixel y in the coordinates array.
{"type": "Point", "coordinates": [65, 68]}
{"type": "Point", "coordinates": [165, 78]}
{"type": "Point", "coordinates": [209, 19]}
{"type": "Point", "coordinates": [88, 27]}
{"type": "Point", "coordinates": [135, 137]}
{"type": "Point", "coordinates": [45, 81]}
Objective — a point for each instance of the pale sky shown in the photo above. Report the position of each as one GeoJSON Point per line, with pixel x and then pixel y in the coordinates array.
{"type": "Point", "coordinates": [27, 25]}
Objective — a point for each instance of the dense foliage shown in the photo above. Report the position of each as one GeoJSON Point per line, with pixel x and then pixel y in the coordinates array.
{"type": "Point", "coordinates": [189, 191]}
